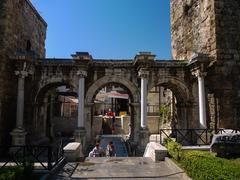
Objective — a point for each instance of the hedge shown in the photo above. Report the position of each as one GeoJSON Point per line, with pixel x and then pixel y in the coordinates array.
{"type": "Point", "coordinates": [174, 148]}
{"type": "Point", "coordinates": [16, 173]}
{"type": "Point", "coordinates": [202, 165]}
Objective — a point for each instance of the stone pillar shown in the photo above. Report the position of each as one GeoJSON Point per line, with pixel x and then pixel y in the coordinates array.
{"type": "Point", "coordinates": [144, 132]}
{"type": "Point", "coordinates": [81, 80]}
{"type": "Point", "coordinates": [80, 132]}
{"type": "Point", "coordinates": [88, 116]}
{"type": "Point", "coordinates": [144, 75]}
{"type": "Point", "coordinates": [135, 128]}
{"type": "Point", "coordinates": [201, 96]}
{"type": "Point", "coordinates": [19, 133]}
{"type": "Point", "coordinates": [51, 125]}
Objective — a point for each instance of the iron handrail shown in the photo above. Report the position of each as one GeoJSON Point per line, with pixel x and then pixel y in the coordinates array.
{"type": "Point", "coordinates": [196, 136]}
{"type": "Point", "coordinates": [42, 154]}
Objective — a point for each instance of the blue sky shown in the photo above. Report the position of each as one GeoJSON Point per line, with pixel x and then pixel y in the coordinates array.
{"type": "Point", "coordinates": [110, 29]}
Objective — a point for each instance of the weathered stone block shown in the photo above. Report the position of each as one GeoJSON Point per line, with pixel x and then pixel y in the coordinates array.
{"type": "Point", "coordinates": [73, 151]}
{"type": "Point", "coordinates": [155, 151]}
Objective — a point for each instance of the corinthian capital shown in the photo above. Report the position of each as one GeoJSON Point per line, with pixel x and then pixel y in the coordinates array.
{"type": "Point", "coordinates": [24, 68]}
{"type": "Point", "coordinates": [81, 73]}
{"type": "Point", "coordinates": [21, 74]}
{"type": "Point", "coordinates": [143, 73]}
{"type": "Point", "coordinates": [199, 73]}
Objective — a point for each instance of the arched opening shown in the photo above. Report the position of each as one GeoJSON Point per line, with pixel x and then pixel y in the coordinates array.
{"type": "Point", "coordinates": [55, 112]}
{"type": "Point", "coordinates": [120, 95]}
{"type": "Point", "coordinates": [161, 109]}
{"type": "Point", "coordinates": [112, 109]}
{"type": "Point", "coordinates": [168, 108]}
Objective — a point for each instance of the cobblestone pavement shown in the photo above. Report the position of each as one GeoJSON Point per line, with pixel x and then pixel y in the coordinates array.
{"type": "Point", "coordinates": [119, 168]}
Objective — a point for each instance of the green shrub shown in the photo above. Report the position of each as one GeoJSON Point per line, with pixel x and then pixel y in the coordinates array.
{"type": "Point", "coordinates": [204, 165]}
{"type": "Point", "coordinates": [174, 148]}
{"type": "Point", "coordinates": [7, 176]}
{"type": "Point", "coordinates": [166, 141]}
{"type": "Point", "coordinates": [11, 173]}
{"type": "Point", "coordinates": [17, 173]}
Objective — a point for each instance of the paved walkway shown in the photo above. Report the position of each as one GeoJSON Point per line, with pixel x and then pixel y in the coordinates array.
{"type": "Point", "coordinates": [119, 168]}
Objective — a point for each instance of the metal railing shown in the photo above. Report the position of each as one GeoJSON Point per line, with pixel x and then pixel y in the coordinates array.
{"type": "Point", "coordinates": [47, 156]}
{"type": "Point", "coordinates": [153, 110]}
{"type": "Point", "coordinates": [191, 136]}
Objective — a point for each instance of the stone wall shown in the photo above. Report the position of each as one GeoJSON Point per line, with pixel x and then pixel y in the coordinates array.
{"type": "Point", "coordinates": [212, 27]}
{"type": "Point", "coordinates": [192, 28]}
{"type": "Point", "coordinates": [223, 78]}
{"type": "Point", "coordinates": [64, 125]}
{"type": "Point", "coordinates": [21, 30]}
{"type": "Point", "coordinates": [1, 71]}
{"type": "Point", "coordinates": [206, 26]}
{"type": "Point", "coordinates": [227, 24]}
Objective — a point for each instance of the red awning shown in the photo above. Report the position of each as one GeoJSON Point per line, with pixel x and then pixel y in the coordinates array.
{"type": "Point", "coordinates": [117, 95]}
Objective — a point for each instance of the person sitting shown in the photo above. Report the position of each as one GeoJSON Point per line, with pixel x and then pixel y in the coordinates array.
{"type": "Point", "coordinates": [97, 151]}
{"type": "Point", "coordinates": [110, 150]}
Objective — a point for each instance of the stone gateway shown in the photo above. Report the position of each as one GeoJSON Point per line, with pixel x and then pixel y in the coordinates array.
{"type": "Point", "coordinates": [204, 75]}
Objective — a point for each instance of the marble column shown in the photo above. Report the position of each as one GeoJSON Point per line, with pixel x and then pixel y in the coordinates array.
{"type": "Point", "coordinates": [144, 132]}
{"type": "Point", "coordinates": [80, 132]}
{"type": "Point", "coordinates": [144, 75]}
{"type": "Point", "coordinates": [81, 84]}
{"type": "Point", "coordinates": [19, 133]}
{"type": "Point", "coordinates": [202, 99]}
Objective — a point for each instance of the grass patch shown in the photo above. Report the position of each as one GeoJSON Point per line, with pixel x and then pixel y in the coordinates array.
{"type": "Point", "coordinates": [236, 161]}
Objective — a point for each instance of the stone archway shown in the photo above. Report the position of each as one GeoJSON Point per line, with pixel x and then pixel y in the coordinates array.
{"type": "Point", "coordinates": [134, 95]}
{"type": "Point", "coordinates": [107, 79]}
{"type": "Point", "coordinates": [43, 117]}
{"type": "Point", "coordinates": [184, 99]}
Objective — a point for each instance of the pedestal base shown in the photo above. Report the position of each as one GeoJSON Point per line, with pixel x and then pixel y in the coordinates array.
{"type": "Point", "coordinates": [80, 136]}
{"type": "Point", "coordinates": [143, 140]}
{"type": "Point", "coordinates": [18, 137]}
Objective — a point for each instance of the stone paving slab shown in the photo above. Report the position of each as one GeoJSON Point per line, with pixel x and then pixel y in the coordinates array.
{"type": "Point", "coordinates": [120, 168]}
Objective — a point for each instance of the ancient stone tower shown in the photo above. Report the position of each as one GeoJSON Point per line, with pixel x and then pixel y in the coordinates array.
{"type": "Point", "coordinates": [212, 27]}
{"type": "Point", "coordinates": [22, 30]}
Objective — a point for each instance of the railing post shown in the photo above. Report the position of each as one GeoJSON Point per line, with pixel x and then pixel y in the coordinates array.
{"type": "Point", "coordinates": [24, 156]}
{"type": "Point", "coordinates": [177, 134]}
{"type": "Point", "coordinates": [206, 136]}
{"type": "Point", "coordinates": [61, 150]}
{"type": "Point", "coordinates": [191, 132]}
{"type": "Point", "coordinates": [49, 157]}
{"type": "Point", "coordinates": [160, 134]}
